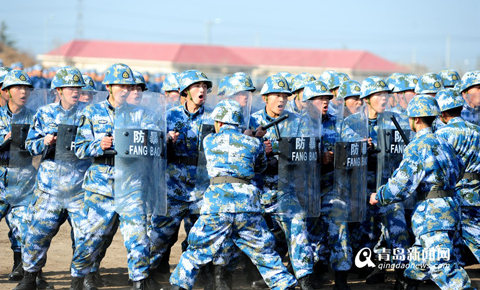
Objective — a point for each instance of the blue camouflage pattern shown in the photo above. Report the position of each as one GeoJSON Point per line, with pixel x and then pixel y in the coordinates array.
{"type": "Point", "coordinates": [16, 78]}
{"type": "Point", "coordinates": [118, 74]}
{"type": "Point", "coordinates": [349, 89]}
{"type": "Point", "coordinates": [429, 163]}
{"type": "Point", "coordinates": [470, 79]}
{"type": "Point", "coordinates": [300, 81]}
{"type": "Point", "coordinates": [228, 111]}
{"type": "Point", "coordinates": [372, 85]}
{"type": "Point", "coordinates": [423, 106]}
{"type": "Point", "coordinates": [315, 89]}
{"type": "Point", "coordinates": [190, 77]}
{"type": "Point", "coordinates": [429, 83]}
{"type": "Point", "coordinates": [449, 77]}
{"type": "Point", "coordinates": [275, 84]}
{"type": "Point", "coordinates": [68, 76]}
{"type": "Point", "coordinates": [449, 99]}
{"type": "Point", "coordinates": [171, 83]}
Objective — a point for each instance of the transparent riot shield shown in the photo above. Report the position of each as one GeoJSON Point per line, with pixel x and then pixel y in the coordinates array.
{"type": "Point", "coordinates": [299, 164]}
{"type": "Point", "coordinates": [471, 111]}
{"type": "Point", "coordinates": [391, 146]}
{"type": "Point", "coordinates": [22, 167]}
{"type": "Point", "coordinates": [257, 103]}
{"type": "Point", "coordinates": [244, 98]}
{"type": "Point", "coordinates": [139, 144]}
{"type": "Point", "coordinates": [69, 170]}
{"type": "Point", "coordinates": [350, 163]}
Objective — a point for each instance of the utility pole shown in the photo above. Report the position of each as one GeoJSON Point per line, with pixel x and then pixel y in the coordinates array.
{"type": "Point", "coordinates": [447, 52]}
{"type": "Point", "coordinates": [208, 30]}
{"type": "Point", "coordinates": [79, 26]}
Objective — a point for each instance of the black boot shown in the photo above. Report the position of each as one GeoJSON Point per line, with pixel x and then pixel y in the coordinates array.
{"type": "Point", "coordinates": [175, 287]}
{"type": "Point", "coordinates": [400, 280]}
{"type": "Point", "coordinates": [304, 283]}
{"type": "Point", "coordinates": [412, 284]}
{"type": "Point", "coordinates": [341, 280]}
{"type": "Point", "coordinates": [89, 283]}
{"type": "Point", "coordinates": [223, 278]}
{"type": "Point", "coordinates": [17, 270]}
{"type": "Point", "coordinates": [318, 278]}
{"type": "Point", "coordinates": [77, 283]}
{"type": "Point", "coordinates": [42, 284]}
{"type": "Point", "coordinates": [253, 276]}
{"type": "Point", "coordinates": [377, 276]}
{"type": "Point", "coordinates": [206, 277]}
{"type": "Point", "coordinates": [145, 284]}
{"type": "Point", "coordinates": [28, 281]}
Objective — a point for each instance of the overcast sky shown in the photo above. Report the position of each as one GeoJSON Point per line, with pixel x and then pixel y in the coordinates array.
{"type": "Point", "coordinates": [406, 32]}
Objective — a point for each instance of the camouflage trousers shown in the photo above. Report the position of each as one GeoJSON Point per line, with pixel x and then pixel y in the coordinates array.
{"type": "Point", "coordinates": [294, 224]}
{"type": "Point", "coordinates": [337, 235]}
{"type": "Point", "coordinates": [100, 213]}
{"type": "Point", "coordinates": [3, 209]}
{"type": "Point", "coordinates": [18, 218]}
{"type": "Point", "coordinates": [383, 223]}
{"type": "Point", "coordinates": [432, 257]}
{"type": "Point", "coordinates": [14, 243]}
{"type": "Point", "coordinates": [163, 230]}
{"type": "Point", "coordinates": [471, 229]}
{"type": "Point", "coordinates": [47, 215]}
{"type": "Point", "coordinates": [248, 231]}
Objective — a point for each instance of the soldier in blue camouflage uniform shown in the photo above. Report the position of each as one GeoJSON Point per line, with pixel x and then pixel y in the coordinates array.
{"type": "Point", "coordinates": [470, 89]}
{"type": "Point", "coordinates": [449, 77]}
{"type": "Point", "coordinates": [293, 222]}
{"type": "Point", "coordinates": [184, 125]}
{"type": "Point", "coordinates": [92, 140]}
{"type": "Point", "coordinates": [465, 139]}
{"type": "Point", "coordinates": [333, 81]}
{"type": "Point", "coordinates": [171, 89]}
{"type": "Point", "coordinates": [222, 86]}
{"type": "Point", "coordinates": [17, 86]}
{"type": "Point", "coordinates": [88, 91]}
{"type": "Point", "coordinates": [231, 208]}
{"type": "Point", "coordinates": [298, 83]}
{"type": "Point", "coordinates": [389, 220]}
{"type": "Point", "coordinates": [429, 169]}
{"type": "Point", "coordinates": [47, 209]}
{"type": "Point", "coordinates": [349, 92]}
{"type": "Point", "coordinates": [403, 89]}
{"type": "Point", "coordinates": [430, 84]}
{"type": "Point", "coordinates": [3, 204]}
{"type": "Point", "coordinates": [338, 252]}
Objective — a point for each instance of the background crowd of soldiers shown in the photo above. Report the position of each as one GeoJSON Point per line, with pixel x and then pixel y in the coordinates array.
{"type": "Point", "coordinates": [320, 185]}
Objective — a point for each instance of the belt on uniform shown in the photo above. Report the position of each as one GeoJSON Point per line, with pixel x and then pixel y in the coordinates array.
{"type": "Point", "coordinates": [186, 160]}
{"type": "Point", "coordinates": [228, 179]}
{"type": "Point", "coordinates": [471, 176]}
{"type": "Point", "coordinates": [436, 194]}
{"type": "Point", "coordinates": [107, 160]}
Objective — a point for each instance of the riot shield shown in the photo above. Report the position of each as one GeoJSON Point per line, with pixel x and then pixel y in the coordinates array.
{"type": "Point", "coordinates": [244, 98]}
{"type": "Point", "coordinates": [471, 111]}
{"type": "Point", "coordinates": [139, 144]}
{"type": "Point", "coordinates": [69, 170]}
{"type": "Point", "coordinates": [299, 165]}
{"type": "Point", "coordinates": [22, 167]}
{"type": "Point", "coordinates": [350, 163]}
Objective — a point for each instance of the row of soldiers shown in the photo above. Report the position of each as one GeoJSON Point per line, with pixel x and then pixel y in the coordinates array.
{"type": "Point", "coordinates": [42, 77]}
{"type": "Point", "coordinates": [319, 225]}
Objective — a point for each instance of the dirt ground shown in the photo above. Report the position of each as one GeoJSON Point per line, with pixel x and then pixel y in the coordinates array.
{"type": "Point", "coordinates": [114, 266]}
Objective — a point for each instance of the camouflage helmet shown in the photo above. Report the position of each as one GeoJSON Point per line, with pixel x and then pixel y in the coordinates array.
{"type": "Point", "coordinates": [239, 82]}
{"type": "Point", "coordinates": [315, 89]}
{"type": "Point", "coordinates": [288, 76]}
{"type": "Point", "coordinates": [331, 78]}
{"type": "Point", "coordinates": [470, 79]}
{"type": "Point", "coordinates": [89, 84]}
{"type": "Point", "coordinates": [171, 83]}
{"type": "Point", "coordinates": [119, 74]}
{"type": "Point", "coordinates": [190, 77]}
{"type": "Point", "coordinates": [275, 84]}
{"type": "Point", "coordinates": [390, 80]}
{"type": "Point", "coordinates": [349, 89]}
{"type": "Point", "coordinates": [16, 77]}
{"type": "Point", "coordinates": [17, 64]}
{"type": "Point", "coordinates": [343, 77]}
{"type": "Point", "coordinates": [449, 98]}
{"type": "Point", "coordinates": [423, 106]}
{"type": "Point", "coordinates": [449, 77]}
{"type": "Point", "coordinates": [429, 83]}
{"type": "Point", "coordinates": [67, 76]}
{"type": "Point", "coordinates": [301, 80]}
{"type": "Point", "coordinates": [372, 85]}
{"type": "Point", "coordinates": [222, 85]}
{"type": "Point", "coordinates": [405, 82]}
{"type": "Point", "coordinates": [139, 80]}
{"type": "Point", "coordinates": [228, 111]}
{"type": "Point", "coordinates": [3, 72]}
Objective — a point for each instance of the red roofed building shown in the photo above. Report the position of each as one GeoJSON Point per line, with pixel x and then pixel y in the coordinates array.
{"type": "Point", "coordinates": [217, 61]}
